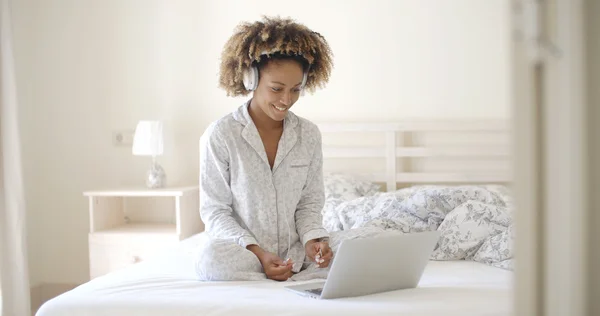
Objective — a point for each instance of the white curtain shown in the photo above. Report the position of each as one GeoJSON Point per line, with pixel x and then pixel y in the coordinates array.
{"type": "Point", "coordinates": [14, 276]}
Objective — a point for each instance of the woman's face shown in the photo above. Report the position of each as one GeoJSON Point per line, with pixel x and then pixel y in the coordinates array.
{"type": "Point", "coordinates": [279, 86]}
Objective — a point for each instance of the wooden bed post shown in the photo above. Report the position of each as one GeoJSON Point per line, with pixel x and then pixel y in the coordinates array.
{"type": "Point", "coordinates": [391, 160]}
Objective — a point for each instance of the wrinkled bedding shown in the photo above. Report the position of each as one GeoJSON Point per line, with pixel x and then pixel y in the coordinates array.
{"type": "Point", "coordinates": [475, 222]}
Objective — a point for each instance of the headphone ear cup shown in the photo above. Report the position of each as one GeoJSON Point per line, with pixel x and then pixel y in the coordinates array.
{"type": "Point", "coordinates": [304, 79]}
{"type": "Point", "coordinates": [250, 78]}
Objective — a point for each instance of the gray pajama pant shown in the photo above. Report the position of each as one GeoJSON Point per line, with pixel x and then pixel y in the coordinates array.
{"type": "Point", "coordinates": [223, 260]}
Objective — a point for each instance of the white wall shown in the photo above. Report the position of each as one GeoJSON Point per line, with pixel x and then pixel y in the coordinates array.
{"type": "Point", "coordinates": [87, 68]}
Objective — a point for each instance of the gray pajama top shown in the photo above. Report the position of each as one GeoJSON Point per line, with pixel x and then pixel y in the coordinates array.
{"type": "Point", "coordinates": [242, 200]}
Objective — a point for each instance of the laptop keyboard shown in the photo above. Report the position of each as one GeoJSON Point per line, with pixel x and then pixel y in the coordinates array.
{"type": "Point", "coordinates": [315, 291]}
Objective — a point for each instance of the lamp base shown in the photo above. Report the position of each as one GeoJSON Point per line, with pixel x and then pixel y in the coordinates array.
{"type": "Point", "coordinates": [156, 177]}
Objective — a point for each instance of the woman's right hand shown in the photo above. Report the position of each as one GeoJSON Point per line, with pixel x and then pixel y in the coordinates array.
{"type": "Point", "coordinates": [274, 267]}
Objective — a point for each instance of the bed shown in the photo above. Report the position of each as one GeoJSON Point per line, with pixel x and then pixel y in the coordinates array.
{"type": "Point", "coordinates": [407, 177]}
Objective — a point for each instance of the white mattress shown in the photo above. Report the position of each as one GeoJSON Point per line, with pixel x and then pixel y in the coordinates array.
{"type": "Point", "coordinates": [166, 286]}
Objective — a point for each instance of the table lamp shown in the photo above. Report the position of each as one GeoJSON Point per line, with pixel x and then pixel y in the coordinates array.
{"type": "Point", "coordinates": [148, 141]}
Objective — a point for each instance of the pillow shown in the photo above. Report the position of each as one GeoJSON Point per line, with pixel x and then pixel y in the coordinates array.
{"type": "Point", "coordinates": [347, 187]}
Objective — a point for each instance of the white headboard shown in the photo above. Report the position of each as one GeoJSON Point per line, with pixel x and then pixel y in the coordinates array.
{"type": "Point", "coordinates": [420, 151]}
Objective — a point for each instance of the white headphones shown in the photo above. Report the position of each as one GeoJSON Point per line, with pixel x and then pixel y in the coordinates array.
{"type": "Point", "coordinates": [250, 78]}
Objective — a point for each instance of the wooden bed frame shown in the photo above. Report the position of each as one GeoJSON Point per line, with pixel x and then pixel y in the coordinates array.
{"type": "Point", "coordinates": [420, 151]}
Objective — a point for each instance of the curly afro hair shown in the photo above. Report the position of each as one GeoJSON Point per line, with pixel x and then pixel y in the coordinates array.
{"type": "Point", "coordinates": [253, 44]}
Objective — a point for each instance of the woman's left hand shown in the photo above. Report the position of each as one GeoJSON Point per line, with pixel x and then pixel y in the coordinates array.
{"type": "Point", "coordinates": [319, 252]}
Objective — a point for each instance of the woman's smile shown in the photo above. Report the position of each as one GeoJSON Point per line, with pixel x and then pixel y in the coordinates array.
{"type": "Point", "coordinates": [280, 109]}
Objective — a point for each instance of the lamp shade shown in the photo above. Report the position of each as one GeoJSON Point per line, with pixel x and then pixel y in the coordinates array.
{"type": "Point", "coordinates": [148, 139]}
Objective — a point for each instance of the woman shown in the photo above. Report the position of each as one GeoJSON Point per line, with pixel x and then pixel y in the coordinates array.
{"type": "Point", "coordinates": [261, 167]}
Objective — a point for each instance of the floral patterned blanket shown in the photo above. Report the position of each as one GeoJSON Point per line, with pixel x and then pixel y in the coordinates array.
{"type": "Point", "coordinates": [475, 222]}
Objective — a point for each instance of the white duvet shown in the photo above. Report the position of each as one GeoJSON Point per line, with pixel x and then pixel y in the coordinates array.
{"type": "Point", "coordinates": [167, 286]}
{"type": "Point", "coordinates": [475, 222]}
{"type": "Point", "coordinates": [469, 273]}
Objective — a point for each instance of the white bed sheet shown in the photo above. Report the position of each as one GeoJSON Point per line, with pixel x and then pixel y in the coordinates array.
{"type": "Point", "coordinates": [166, 286]}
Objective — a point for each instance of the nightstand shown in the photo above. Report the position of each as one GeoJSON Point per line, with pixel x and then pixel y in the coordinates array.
{"type": "Point", "coordinates": [132, 225]}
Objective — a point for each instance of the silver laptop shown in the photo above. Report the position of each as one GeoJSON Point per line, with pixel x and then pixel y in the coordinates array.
{"type": "Point", "coordinates": [372, 265]}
